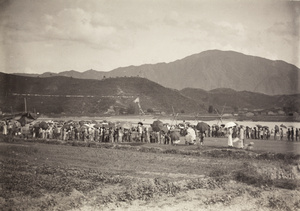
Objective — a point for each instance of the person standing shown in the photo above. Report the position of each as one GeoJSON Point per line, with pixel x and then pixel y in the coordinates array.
{"type": "Point", "coordinates": [4, 129]}
{"type": "Point", "coordinates": [297, 133]}
{"type": "Point", "coordinates": [281, 134]}
{"type": "Point", "coordinates": [242, 136]}
{"type": "Point", "coordinates": [229, 142]}
{"type": "Point", "coordinates": [292, 134]}
{"type": "Point", "coordinates": [201, 138]}
{"type": "Point", "coordinates": [288, 134]}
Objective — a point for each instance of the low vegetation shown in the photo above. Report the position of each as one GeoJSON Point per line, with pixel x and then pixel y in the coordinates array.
{"type": "Point", "coordinates": [71, 175]}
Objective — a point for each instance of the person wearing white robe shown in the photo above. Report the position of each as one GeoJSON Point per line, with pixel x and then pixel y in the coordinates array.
{"type": "Point", "coordinates": [191, 136]}
{"type": "Point", "coordinates": [230, 144]}
{"type": "Point", "coordinates": [5, 129]}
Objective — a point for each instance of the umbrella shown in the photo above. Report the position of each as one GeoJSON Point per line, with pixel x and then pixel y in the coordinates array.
{"type": "Point", "coordinates": [44, 125]}
{"type": "Point", "coordinates": [81, 122]}
{"type": "Point", "coordinates": [17, 124]}
{"type": "Point", "coordinates": [202, 126]}
{"type": "Point", "coordinates": [67, 126]}
{"type": "Point", "coordinates": [157, 125]}
{"type": "Point", "coordinates": [230, 124]}
{"type": "Point", "coordinates": [36, 125]}
{"type": "Point", "coordinates": [165, 129]}
{"type": "Point", "coordinates": [111, 125]}
{"type": "Point", "coordinates": [94, 122]}
{"type": "Point", "coordinates": [175, 135]}
{"type": "Point", "coordinates": [98, 125]}
{"type": "Point", "coordinates": [126, 125]}
{"type": "Point", "coordinates": [82, 128]}
{"type": "Point", "coordinates": [276, 128]}
{"type": "Point", "coordinates": [283, 126]}
{"type": "Point", "coordinates": [181, 125]}
{"type": "Point", "coordinates": [266, 127]}
{"type": "Point", "coordinates": [259, 126]}
{"type": "Point", "coordinates": [140, 123]}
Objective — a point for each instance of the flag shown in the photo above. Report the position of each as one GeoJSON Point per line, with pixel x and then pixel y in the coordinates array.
{"type": "Point", "coordinates": [137, 100]}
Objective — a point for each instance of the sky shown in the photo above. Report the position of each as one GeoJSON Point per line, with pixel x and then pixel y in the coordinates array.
{"type": "Point", "coordinates": [38, 36]}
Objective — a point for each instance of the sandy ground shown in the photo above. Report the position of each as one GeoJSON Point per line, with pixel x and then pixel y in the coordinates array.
{"type": "Point", "coordinates": [236, 197]}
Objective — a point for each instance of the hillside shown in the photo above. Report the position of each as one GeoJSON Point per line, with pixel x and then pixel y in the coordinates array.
{"type": "Point", "coordinates": [233, 100]}
{"type": "Point", "coordinates": [211, 70]}
{"type": "Point", "coordinates": [77, 96]}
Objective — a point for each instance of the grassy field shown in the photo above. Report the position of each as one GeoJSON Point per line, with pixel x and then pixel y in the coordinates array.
{"type": "Point", "coordinates": [56, 175]}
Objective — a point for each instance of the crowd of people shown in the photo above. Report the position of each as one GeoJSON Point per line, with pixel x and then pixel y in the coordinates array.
{"type": "Point", "coordinates": [126, 132]}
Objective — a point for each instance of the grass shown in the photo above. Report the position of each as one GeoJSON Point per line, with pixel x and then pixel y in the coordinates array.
{"type": "Point", "coordinates": [80, 172]}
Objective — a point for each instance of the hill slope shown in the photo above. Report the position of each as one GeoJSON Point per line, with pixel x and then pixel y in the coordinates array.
{"type": "Point", "coordinates": [210, 70]}
{"type": "Point", "coordinates": [78, 96]}
{"type": "Point", "coordinates": [233, 100]}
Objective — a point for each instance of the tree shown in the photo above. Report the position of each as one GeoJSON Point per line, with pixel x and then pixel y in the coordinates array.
{"type": "Point", "coordinates": [235, 109]}
{"type": "Point", "coordinates": [150, 110]}
{"type": "Point", "coordinates": [131, 109]}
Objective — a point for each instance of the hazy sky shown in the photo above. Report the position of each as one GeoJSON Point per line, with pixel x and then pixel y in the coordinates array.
{"type": "Point", "coordinates": [59, 35]}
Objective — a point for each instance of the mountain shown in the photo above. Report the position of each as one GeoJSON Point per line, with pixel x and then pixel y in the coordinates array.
{"type": "Point", "coordinates": [221, 69]}
{"type": "Point", "coordinates": [59, 94]}
{"type": "Point", "coordinates": [211, 70]}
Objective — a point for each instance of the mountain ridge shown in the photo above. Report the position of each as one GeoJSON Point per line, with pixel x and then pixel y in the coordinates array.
{"type": "Point", "coordinates": [81, 96]}
{"type": "Point", "coordinates": [213, 69]}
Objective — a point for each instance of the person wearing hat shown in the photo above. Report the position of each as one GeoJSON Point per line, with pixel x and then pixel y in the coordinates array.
{"type": "Point", "coordinates": [140, 131]}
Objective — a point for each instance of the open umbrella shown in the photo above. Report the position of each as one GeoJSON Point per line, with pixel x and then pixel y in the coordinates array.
{"type": "Point", "coordinates": [165, 129]}
{"type": "Point", "coordinates": [265, 127]}
{"type": "Point", "coordinates": [175, 136]}
{"type": "Point", "coordinates": [81, 122]}
{"type": "Point", "coordinates": [259, 126]}
{"type": "Point", "coordinates": [126, 125]}
{"type": "Point", "coordinates": [44, 125]}
{"type": "Point", "coordinates": [36, 125]}
{"type": "Point", "coordinates": [276, 128]}
{"type": "Point", "coordinates": [82, 128]}
{"type": "Point", "coordinates": [202, 126]}
{"type": "Point", "coordinates": [67, 126]}
{"type": "Point", "coordinates": [230, 124]}
{"type": "Point", "coordinates": [111, 125]}
{"type": "Point", "coordinates": [105, 125]}
{"type": "Point", "coordinates": [98, 125]}
{"type": "Point", "coordinates": [181, 125]}
{"type": "Point", "coordinates": [283, 126]}
{"type": "Point", "coordinates": [157, 125]}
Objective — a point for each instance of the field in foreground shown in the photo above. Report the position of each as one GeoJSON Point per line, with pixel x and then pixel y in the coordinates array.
{"type": "Point", "coordinates": [65, 176]}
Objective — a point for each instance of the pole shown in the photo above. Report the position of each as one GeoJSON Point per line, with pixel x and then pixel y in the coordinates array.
{"type": "Point", "coordinates": [25, 104]}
